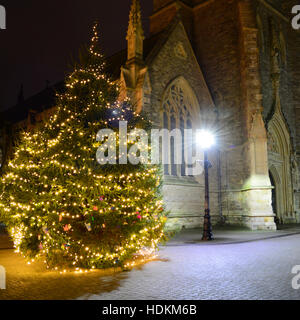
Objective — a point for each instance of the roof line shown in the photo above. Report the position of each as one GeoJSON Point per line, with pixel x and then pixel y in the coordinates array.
{"type": "Point", "coordinates": [274, 10]}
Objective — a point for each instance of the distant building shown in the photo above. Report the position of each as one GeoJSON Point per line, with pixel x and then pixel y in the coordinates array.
{"type": "Point", "coordinates": [231, 62]}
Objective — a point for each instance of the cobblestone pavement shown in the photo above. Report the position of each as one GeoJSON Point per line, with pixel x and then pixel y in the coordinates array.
{"type": "Point", "coordinates": [252, 270]}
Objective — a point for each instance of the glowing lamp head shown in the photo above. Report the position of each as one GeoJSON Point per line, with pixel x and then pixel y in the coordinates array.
{"type": "Point", "coordinates": [205, 139]}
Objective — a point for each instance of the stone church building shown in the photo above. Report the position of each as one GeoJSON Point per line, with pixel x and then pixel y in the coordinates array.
{"type": "Point", "coordinates": [228, 65]}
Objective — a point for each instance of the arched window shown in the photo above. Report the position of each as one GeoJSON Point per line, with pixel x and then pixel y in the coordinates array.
{"type": "Point", "coordinates": [180, 110]}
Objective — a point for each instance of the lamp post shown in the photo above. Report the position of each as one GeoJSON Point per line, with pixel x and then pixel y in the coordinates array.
{"type": "Point", "coordinates": [206, 140]}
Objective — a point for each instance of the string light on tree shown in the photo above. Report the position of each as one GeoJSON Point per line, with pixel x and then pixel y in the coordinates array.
{"type": "Point", "coordinates": [63, 207]}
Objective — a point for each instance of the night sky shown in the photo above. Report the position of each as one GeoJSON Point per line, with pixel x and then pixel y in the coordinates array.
{"type": "Point", "coordinates": [42, 37]}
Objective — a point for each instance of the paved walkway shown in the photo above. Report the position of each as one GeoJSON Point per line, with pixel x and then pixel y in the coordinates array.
{"type": "Point", "coordinates": [258, 270]}
{"type": "Point", "coordinates": [237, 265]}
{"type": "Point", "coordinates": [227, 235]}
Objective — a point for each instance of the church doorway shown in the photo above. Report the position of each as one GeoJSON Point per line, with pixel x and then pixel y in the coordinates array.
{"type": "Point", "coordinates": [279, 160]}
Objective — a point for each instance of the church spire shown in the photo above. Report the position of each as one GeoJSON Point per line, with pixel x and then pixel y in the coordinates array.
{"type": "Point", "coordinates": [135, 33]}
{"type": "Point", "coordinates": [134, 72]}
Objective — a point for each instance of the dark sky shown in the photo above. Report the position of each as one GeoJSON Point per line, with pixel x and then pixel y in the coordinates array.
{"type": "Point", "coordinates": [42, 36]}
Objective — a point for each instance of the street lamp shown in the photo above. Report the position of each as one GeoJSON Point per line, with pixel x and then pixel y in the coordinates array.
{"type": "Point", "coordinates": [205, 140]}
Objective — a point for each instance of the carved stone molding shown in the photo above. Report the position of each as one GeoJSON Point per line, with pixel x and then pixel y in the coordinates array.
{"type": "Point", "coordinates": [180, 51]}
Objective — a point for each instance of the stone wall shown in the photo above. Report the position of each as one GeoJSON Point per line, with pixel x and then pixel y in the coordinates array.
{"type": "Point", "coordinates": [184, 196]}
{"type": "Point", "coordinates": [289, 53]}
{"type": "Point", "coordinates": [289, 45]}
{"type": "Point", "coordinates": [216, 40]}
{"type": "Point", "coordinates": [225, 41]}
{"type": "Point", "coordinates": [160, 21]}
{"type": "Point", "coordinates": [165, 11]}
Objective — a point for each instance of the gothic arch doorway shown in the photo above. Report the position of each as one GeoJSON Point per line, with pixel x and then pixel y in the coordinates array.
{"type": "Point", "coordinates": [279, 158]}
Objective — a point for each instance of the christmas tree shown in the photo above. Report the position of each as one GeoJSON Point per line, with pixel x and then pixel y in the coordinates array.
{"type": "Point", "coordinates": [64, 207]}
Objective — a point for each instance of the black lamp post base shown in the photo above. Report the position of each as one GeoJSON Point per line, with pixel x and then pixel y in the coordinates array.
{"type": "Point", "coordinates": [208, 238]}
{"type": "Point", "coordinates": [207, 229]}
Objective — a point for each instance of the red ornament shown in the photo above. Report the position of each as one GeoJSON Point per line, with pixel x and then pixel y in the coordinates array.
{"type": "Point", "coordinates": [67, 227]}
{"type": "Point", "coordinates": [95, 208]}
